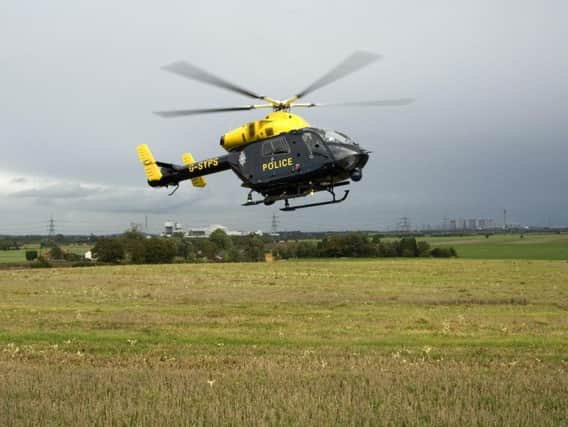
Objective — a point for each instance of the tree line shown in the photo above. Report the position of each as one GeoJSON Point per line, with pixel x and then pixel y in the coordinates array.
{"type": "Point", "coordinates": [359, 245]}
{"type": "Point", "coordinates": [134, 247]}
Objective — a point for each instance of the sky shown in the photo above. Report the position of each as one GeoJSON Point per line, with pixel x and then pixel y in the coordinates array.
{"type": "Point", "coordinates": [79, 81]}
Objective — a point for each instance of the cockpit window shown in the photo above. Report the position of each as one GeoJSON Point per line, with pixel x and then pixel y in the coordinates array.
{"type": "Point", "coordinates": [334, 136]}
{"type": "Point", "coordinates": [314, 145]}
{"type": "Point", "coordinates": [275, 146]}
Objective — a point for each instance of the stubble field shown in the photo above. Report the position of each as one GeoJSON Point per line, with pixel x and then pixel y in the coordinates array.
{"type": "Point", "coordinates": [368, 342]}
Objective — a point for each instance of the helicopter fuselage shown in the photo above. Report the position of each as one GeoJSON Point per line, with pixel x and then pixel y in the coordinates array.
{"type": "Point", "coordinates": [291, 164]}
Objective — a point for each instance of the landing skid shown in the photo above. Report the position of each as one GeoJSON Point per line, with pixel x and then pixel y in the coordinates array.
{"type": "Point", "coordinates": [251, 202]}
{"type": "Point", "coordinates": [288, 208]}
{"type": "Point", "coordinates": [269, 200]}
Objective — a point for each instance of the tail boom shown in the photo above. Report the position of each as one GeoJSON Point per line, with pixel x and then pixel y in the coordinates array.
{"type": "Point", "coordinates": [160, 174]}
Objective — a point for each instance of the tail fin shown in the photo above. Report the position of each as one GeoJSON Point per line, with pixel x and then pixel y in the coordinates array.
{"type": "Point", "coordinates": [153, 172]}
{"type": "Point", "coordinates": [188, 159]}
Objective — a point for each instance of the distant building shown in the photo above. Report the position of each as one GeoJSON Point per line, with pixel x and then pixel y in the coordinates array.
{"type": "Point", "coordinates": [211, 228]}
{"type": "Point", "coordinates": [206, 231]}
{"type": "Point", "coordinates": [172, 228]}
{"type": "Point", "coordinates": [196, 234]}
{"type": "Point", "coordinates": [168, 228]}
{"type": "Point", "coordinates": [486, 223]}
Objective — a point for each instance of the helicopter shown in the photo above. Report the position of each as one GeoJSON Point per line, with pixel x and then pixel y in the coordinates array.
{"type": "Point", "coordinates": [279, 157]}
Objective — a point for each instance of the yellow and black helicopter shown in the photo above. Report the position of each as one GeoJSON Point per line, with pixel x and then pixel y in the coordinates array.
{"type": "Point", "coordinates": [281, 156]}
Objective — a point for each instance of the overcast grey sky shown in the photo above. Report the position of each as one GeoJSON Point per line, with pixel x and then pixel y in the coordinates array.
{"type": "Point", "coordinates": [79, 81]}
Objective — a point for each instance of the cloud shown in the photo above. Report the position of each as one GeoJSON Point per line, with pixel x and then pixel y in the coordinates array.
{"type": "Point", "coordinates": [59, 191]}
{"type": "Point", "coordinates": [18, 180]}
{"type": "Point", "coordinates": [78, 196]}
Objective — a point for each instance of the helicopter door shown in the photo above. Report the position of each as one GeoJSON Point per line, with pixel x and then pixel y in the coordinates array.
{"type": "Point", "coordinates": [315, 146]}
{"type": "Point", "coordinates": [277, 160]}
{"type": "Point", "coordinates": [310, 151]}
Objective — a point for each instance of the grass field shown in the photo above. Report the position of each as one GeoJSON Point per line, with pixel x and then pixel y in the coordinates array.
{"type": "Point", "coordinates": [550, 246]}
{"type": "Point", "coordinates": [507, 246]}
{"type": "Point", "coordinates": [19, 255]}
{"type": "Point", "coordinates": [379, 342]}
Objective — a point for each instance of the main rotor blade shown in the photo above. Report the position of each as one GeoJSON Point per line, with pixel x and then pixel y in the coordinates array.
{"type": "Point", "coordinates": [379, 103]}
{"type": "Point", "coordinates": [190, 71]}
{"type": "Point", "coordinates": [180, 113]}
{"type": "Point", "coordinates": [352, 63]}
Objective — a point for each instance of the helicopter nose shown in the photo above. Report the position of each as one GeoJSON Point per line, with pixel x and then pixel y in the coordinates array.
{"type": "Point", "coordinates": [349, 158]}
{"type": "Point", "coordinates": [357, 161]}
{"type": "Point", "coordinates": [363, 158]}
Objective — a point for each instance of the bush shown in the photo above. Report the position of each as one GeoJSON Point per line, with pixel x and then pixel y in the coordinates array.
{"type": "Point", "coordinates": [423, 249]}
{"type": "Point", "coordinates": [136, 250]}
{"type": "Point", "coordinates": [70, 256]}
{"type": "Point", "coordinates": [254, 249]}
{"type": "Point", "coordinates": [109, 250]}
{"type": "Point", "coordinates": [408, 247]}
{"type": "Point", "coordinates": [232, 255]}
{"type": "Point", "coordinates": [443, 253]}
{"type": "Point", "coordinates": [6, 245]}
{"type": "Point", "coordinates": [56, 252]}
{"type": "Point", "coordinates": [83, 263]}
{"type": "Point", "coordinates": [159, 251]}
{"type": "Point", "coordinates": [133, 243]}
{"type": "Point", "coordinates": [206, 248]}
{"type": "Point", "coordinates": [284, 250]}
{"type": "Point", "coordinates": [388, 249]}
{"type": "Point", "coordinates": [221, 239]}
{"type": "Point", "coordinates": [357, 245]}
{"type": "Point", "coordinates": [184, 249]}
{"type": "Point", "coordinates": [31, 255]}
{"type": "Point", "coordinates": [350, 245]}
{"type": "Point", "coordinates": [41, 262]}
{"type": "Point", "coordinates": [307, 249]}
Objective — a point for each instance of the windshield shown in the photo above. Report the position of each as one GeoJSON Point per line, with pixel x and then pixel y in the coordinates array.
{"type": "Point", "coordinates": [334, 136]}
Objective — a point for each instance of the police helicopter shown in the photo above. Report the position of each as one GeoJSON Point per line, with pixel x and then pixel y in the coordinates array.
{"type": "Point", "coordinates": [279, 157]}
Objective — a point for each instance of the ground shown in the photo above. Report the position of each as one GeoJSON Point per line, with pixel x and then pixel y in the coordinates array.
{"type": "Point", "coordinates": [388, 342]}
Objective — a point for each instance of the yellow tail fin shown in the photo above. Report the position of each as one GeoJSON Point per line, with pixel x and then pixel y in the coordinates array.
{"type": "Point", "coordinates": [153, 172]}
{"type": "Point", "coordinates": [188, 159]}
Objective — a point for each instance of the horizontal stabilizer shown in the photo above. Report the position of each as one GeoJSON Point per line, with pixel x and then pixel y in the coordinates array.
{"type": "Point", "coordinates": [153, 172]}
{"type": "Point", "coordinates": [188, 159]}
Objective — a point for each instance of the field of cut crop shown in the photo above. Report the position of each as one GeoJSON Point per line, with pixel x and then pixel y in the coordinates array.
{"type": "Point", "coordinates": [380, 342]}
